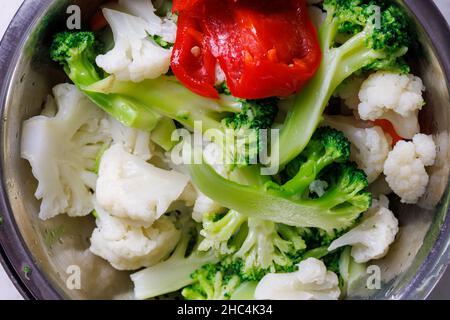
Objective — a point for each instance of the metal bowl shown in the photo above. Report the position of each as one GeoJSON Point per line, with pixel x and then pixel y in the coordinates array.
{"type": "Point", "coordinates": [40, 256]}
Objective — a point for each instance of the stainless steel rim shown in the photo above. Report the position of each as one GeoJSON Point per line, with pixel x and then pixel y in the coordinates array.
{"type": "Point", "coordinates": [14, 255]}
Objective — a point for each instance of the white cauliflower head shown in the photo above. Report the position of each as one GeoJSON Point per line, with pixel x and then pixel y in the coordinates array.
{"type": "Point", "coordinates": [312, 281]}
{"type": "Point", "coordinates": [130, 247]}
{"type": "Point", "coordinates": [62, 151]}
{"type": "Point", "coordinates": [405, 167]}
{"type": "Point", "coordinates": [370, 147]}
{"type": "Point", "coordinates": [129, 187]}
{"type": "Point", "coordinates": [134, 141]}
{"type": "Point", "coordinates": [395, 97]}
{"type": "Point", "coordinates": [372, 237]}
{"type": "Point", "coordinates": [204, 205]}
{"type": "Point", "coordinates": [136, 57]}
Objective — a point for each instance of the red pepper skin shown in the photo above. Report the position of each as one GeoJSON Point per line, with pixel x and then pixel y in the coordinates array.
{"type": "Point", "coordinates": [181, 5]}
{"type": "Point", "coordinates": [387, 127]}
{"type": "Point", "coordinates": [266, 48]}
{"type": "Point", "coordinates": [192, 61]}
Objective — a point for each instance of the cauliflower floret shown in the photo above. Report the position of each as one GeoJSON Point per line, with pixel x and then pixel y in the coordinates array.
{"type": "Point", "coordinates": [405, 167]}
{"type": "Point", "coordinates": [166, 28]}
{"type": "Point", "coordinates": [425, 149]}
{"type": "Point", "coordinates": [204, 205]}
{"type": "Point", "coordinates": [370, 147]}
{"type": "Point", "coordinates": [131, 247]}
{"type": "Point", "coordinates": [62, 151]}
{"type": "Point", "coordinates": [129, 187]}
{"type": "Point", "coordinates": [134, 141]}
{"type": "Point", "coordinates": [312, 281]}
{"type": "Point", "coordinates": [395, 97]}
{"type": "Point", "coordinates": [349, 90]}
{"type": "Point", "coordinates": [135, 56]}
{"type": "Point", "coordinates": [372, 237]}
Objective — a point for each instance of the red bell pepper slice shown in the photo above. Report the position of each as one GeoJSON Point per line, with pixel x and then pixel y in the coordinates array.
{"type": "Point", "coordinates": [192, 61]}
{"type": "Point", "coordinates": [265, 47]}
{"type": "Point", "coordinates": [181, 5]}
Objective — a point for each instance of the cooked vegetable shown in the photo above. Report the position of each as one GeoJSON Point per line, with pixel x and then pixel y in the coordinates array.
{"type": "Point", "coordinates": [204, 205]}
{"type": "Point", "coordinates": [371, 238]}
{"type": "Point", "coordinates": [370, 147]}
{"type": "Point", "coordinates": [252, 246]}
{"type": "Point", "coordinates": [366, 47]}
{"type": "Point", "coordinates": [174, 273]}
{"type": "Point", "coordinates": [128, 246]}
{"type": "Point", "coordinates": [311, 281]}
{"type": "Point", "coordinates": [62, 151]}
{"type": "Point", "coordinates": [130, 188]}
{"type": "Point", "coordinates": [265, 48]}
{"type": "Point", "coordinates": [76, 52]}
{"type": "Point", "coordinates": [326, 147]}
{"type": "Point", "coordinates": [394, 97]}
{"type": "Point", "coordinates": [136, 142]}
{"type": "Point", "coordinates": [212, 282]}
{"type": "Point", "coordinates": [353, 276]}
{"type": "Point", "coordinates": [136, 55]}
{"type": "Point", "coordinates": [405, 167]}
{"type": "Point", "coordinates": [342, 203]}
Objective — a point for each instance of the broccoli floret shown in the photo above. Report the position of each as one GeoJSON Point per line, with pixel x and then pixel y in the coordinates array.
{"type": "Point", "coordinates": [252, 247]}
{"type": "Point", "coordinates": [174, 273]}
{"type": "Point", "coordinates": [326, 147]}
{"type": "Point", "coordinates": [212, 282]}
{"type": "Point", "coordinates": [255, 114]}
{"type": "Point", "coordinates": [343, 201]}
{"type": "Point", "coordinates": [76, 52]}
{"type": "Point", "coordinates": [351, 41]}
{"type": "Point", "coordinates": [246, 128]}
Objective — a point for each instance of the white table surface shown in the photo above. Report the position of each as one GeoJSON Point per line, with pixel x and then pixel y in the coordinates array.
{"type": "Point", "coordinates": [7, 290]}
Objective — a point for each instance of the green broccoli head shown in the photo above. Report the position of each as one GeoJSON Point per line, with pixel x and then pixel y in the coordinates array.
{"type": "Point", "coordinates": [255, 114]}
{"type": "Point", "coordinates": [389, 24]}
{"type": "Point", "coordinates": [347, 189]}
{"type": "Point", "coordinates": [212, 282]}
{"type": "Point", "coordinates": [383, 25]}
{"type": "Point", "coordinates": [76, 52]}
{"type": "Point", "coordinates": [244, 128]}
{"type": "Point", "coordinates": [327, 146]}
{"type": "Point", "coordinates": [252, 247]}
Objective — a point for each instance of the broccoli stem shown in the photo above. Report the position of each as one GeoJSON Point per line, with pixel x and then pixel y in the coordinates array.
{"type": "Point", "coordinates": [170, 275]}
{"type": "Point", "coordinates": [162, 134]}
{"type": "Point", "coordinates": [246, 291]}
{"type": "Point", "coordinates": [165, 96]}
{"type": "Point", "coordinates": [269, 205]}
{"type": "Point", "coordinates": [83, 73]}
